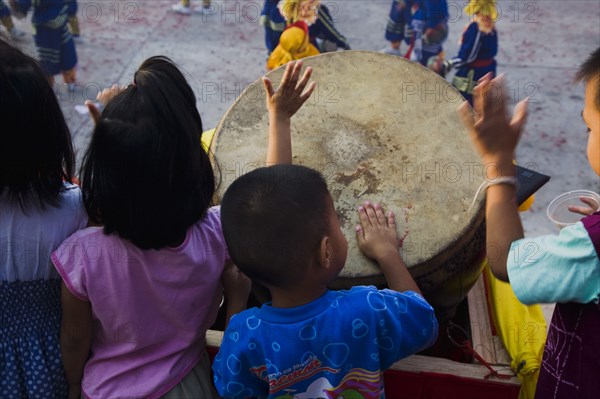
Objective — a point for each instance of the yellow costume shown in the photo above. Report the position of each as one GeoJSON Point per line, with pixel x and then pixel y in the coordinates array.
{"type": "Point", "coordinates": [293, 45]}
{"type": "Point", "coordinates": [294, 42]}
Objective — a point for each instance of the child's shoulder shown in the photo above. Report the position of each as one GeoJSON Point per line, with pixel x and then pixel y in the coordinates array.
{"type": "Point", "coordinates": [370, 290]}
{"type": "Point", "coordinates": [245, 320]}
{"type": "Point", "coordinates": [91, 235]}
{"type": "Point", "coordinates": [210, 225]}
{"type": "Point", "coordinates": [371, 298]}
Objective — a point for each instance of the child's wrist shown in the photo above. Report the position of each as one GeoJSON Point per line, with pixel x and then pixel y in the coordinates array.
{"type": "Point", "coordinates": [238, 300]}
{"type": "Point", "coordinates": [388, 257]}
{"type": "Point", "coordinates": [278, 116]}
{"type": "Point", "coordinates": [494, 167]}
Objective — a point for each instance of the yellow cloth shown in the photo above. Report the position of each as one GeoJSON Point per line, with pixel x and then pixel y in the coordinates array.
{"type": "Point", "coordinates": [485, 7]}
{"type": "Point", "coordinates": [527, 204]}
{"type": "Point", "coordinates": [522, 330]}
{"type": "Point", "coordinates": [293, 45]}
{"type": "Point", "coordinates": [207, 137]}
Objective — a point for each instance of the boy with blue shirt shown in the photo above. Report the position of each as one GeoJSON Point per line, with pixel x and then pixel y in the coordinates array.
{"type": "Point", "coordinates": [282, 231]}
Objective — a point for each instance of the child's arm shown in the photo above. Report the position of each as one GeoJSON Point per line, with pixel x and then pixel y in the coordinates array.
{"type": "Point", "coordinates": [104, 97]}
{"type": "Point", "coordinates": [282, 104]}
{"type": "Point", "coordinates": [75, 338]}
{"type": "Point", "coordinates": [496, 138]}
{"type": "Point", "coordinates": [237, 289]}
{"type": "Point", "coordinates": [378, 239]}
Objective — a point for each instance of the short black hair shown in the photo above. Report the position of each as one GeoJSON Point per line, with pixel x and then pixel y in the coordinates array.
{"type": "Point", "coordinates": [273, 220]}
{"type": "Point", "coordinates": [589, 71]}
{"type": "Point", "coordinates": [36, 151]}
{"type": "Point", "coordinates": [145, 175]}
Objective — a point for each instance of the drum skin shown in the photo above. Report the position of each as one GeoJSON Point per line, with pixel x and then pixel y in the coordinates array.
{"type": "Point", "coordinates": [384, 129]}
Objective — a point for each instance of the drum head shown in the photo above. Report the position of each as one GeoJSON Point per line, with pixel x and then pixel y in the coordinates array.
{"type": "Point", "coordinates": [379, 128]}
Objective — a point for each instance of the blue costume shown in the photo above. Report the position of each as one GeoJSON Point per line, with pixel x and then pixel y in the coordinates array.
{"type": "Point", "coordinates": [324, 30]}
{"type": "Point", "coordinates": [4, 10]}
{"type": "Point", "coordinates": [73, 20]}
{"type": "Point", "coordinates": [398, 20]}
{"type": "Point", "coordinates": [273, 22]}
{"type": "Point", "coordinates": [53, 40]}
{"type": "Point", "coordinates": [430, 15]}
{"type": "Point", "coordinates": [475, 59]}
{"type": "Point", "coordinates": [334, 346]}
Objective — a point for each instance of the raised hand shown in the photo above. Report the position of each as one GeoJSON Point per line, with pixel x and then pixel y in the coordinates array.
{"type": "Point", "coordinates": [290, 95]}
{"type": "Point", "coordinates": [494, 135]}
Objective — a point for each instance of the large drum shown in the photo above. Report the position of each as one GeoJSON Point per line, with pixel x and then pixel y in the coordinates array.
{"type": "Point", "coordinates": [380, 128]}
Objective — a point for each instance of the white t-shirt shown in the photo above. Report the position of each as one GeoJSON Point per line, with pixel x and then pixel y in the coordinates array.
{"type": "Point", "coordinates": [26, 241]}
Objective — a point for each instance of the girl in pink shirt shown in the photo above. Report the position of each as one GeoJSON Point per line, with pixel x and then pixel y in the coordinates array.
{"type": "Point", "coordinates": [139, 293]}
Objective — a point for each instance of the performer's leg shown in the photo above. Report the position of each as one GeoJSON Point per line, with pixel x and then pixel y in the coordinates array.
{"type": "Point", "coordinates": [48, 44]}
{"type": "Point", "coordinates": [68, 58]}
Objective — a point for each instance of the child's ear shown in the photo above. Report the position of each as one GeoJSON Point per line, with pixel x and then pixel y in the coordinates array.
{"type": "Point", "coordinates": [324, 255]}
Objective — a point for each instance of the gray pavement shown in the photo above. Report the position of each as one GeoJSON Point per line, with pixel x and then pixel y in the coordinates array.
{"type": "Point", "coordinates": [541, 44]}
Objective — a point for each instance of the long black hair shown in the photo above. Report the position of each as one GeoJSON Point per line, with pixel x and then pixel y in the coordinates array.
{"type": "Point", "coordinates": [145, 175]}
{"type": "Point", "coordinates": [36, 152]}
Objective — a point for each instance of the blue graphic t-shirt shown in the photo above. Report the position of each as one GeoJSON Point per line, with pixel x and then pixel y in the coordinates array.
{"type": "Point", "coordinates": [336, 346]}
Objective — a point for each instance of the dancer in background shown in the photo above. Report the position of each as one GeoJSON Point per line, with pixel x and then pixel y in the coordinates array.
{"type": "Point", "coordinates": [54, 42]}
{"type": "Point", "coordinates": [430, 24]}
{"type": "Point", "coordinates": [478, 47]}
{"type": "Point", "coordinates": [323, 33]}
{"type": "Point", "coordinates": [273, 23]}
{"type": "Point", "coordinates": [294, 43]}
{"type": "Point", "coordinates": [399, 26]}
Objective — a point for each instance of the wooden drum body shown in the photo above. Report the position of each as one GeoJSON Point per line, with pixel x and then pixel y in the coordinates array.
{"type": "Point", "coordinates": [380, 128]}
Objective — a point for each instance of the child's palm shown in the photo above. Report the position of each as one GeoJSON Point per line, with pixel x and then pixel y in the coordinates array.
{"type": "Point", "coordinates": [494, 135]}
{"type": "Point", "coordinates": [376, 233]}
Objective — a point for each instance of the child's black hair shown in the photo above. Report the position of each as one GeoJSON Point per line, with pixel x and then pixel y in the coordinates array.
{"type": "Point", "coordinates": [145, 175]}
{"type": "Point", "coordinates": [273, 221]}
{"type": "Point", "coordinates": [589, 71]}
{"type": "Point", "coordinates": [36, 152]}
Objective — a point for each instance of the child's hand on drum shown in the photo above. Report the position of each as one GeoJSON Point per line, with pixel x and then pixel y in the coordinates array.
{"type": "Point", "coordinates": [289, 97]}
{"type": "Point", "coordinates": [378, 239]}
{"type": "Point", "coordinates": [377, 236]}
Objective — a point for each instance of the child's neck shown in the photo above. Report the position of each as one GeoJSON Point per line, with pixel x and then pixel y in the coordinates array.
{"type": "Point", "coordinates": [297, 296]}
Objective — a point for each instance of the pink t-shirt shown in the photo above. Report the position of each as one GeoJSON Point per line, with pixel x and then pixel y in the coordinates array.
{"type": "Point", "coordinates": [150, 308]}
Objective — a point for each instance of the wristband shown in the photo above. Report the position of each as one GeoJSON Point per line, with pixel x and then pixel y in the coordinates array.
{"type": "Point", "coordinates": [511, 180]}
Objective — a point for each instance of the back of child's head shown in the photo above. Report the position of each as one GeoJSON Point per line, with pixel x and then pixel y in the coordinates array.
{"type": "Point", "coordinates": [273, 221]}
{"type": "Point", "coordinates": [589, 71]}
{"type": "Point", "coordinates": [36, 153]}
{"type": "Point", "coordinates": [145, 175]}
